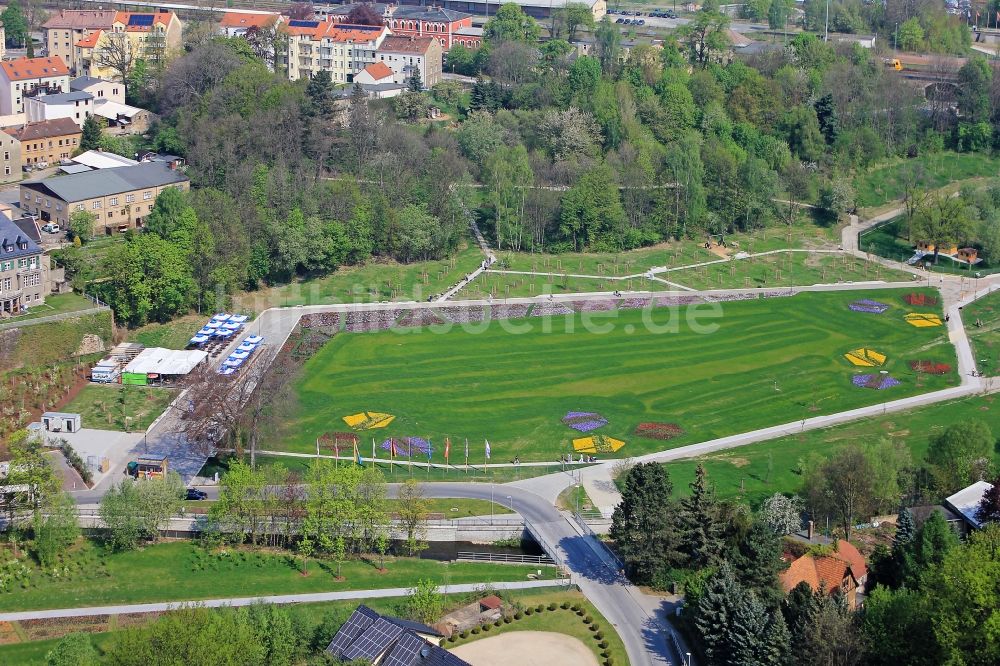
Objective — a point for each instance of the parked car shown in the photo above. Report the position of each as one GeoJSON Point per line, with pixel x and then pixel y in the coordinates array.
{"type": "Point", "coordinates": [619, 20]}
{"type": "Point", "coordinates": [641, 22]}
{"type": "Point", "coordinates": [195, 494]}
{"type": "Point", "coordinates": [51, 228]}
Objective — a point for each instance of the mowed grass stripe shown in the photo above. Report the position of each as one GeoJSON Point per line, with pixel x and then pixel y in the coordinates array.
{"type": "Point", "coordinates": [768, 362]}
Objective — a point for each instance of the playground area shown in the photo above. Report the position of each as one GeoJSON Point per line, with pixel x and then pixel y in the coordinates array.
{"type": "Point", "coordinates": [606, 378]}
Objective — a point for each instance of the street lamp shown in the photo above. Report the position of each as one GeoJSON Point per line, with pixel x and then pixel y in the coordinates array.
{"type": "Point", "coordinates": [688, 659]}
{"type": "Point", "coordinates": [510, 503]}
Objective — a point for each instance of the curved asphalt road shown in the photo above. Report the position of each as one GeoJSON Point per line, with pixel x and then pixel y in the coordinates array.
{"type": "Point", "coordinates": [591, 566]}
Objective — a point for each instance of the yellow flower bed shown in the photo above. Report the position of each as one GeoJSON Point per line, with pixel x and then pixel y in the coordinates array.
{"type": "Point", "coordinates": [921, 320]}
{"type": "Point", "coordinates": [368, 420]}
{"type": "Point", "coordinates": [868, 358]}
{"type": "Point", "coordinates": [597, 444]}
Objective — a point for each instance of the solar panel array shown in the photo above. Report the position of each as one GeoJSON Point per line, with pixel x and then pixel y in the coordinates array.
{"type": "Point", "coordinates": [374, 642]}
{"type": "Point", "coordinates": [140, 19]}
{"type": "Point", "coordinates": [406, 649]}
{"type": "Point", "coordinates": [296, 23]}
{"type": "Point", "coordinates": [359, 621]}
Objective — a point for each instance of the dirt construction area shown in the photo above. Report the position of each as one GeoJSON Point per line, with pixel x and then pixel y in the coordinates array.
{"type": "Point", "coordinates": [527, 648]}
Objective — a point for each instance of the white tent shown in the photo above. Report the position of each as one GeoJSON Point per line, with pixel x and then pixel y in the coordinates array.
{"type": "Point", "coordinates": [157, 360]}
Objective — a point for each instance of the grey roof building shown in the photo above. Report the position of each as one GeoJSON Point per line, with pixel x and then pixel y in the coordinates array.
{"type": "Point", "coordinates": [104, 182]}
{"type": "Point", "coordinates": [83, 82]}
{"type": "Point", "coordinates": [389, 641]}
{"type": "Point", "coordinates": [64, 98]}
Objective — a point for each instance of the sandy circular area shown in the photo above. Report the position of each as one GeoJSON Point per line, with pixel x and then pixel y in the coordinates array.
{"type": "Point", "coordinates": [527, 648]}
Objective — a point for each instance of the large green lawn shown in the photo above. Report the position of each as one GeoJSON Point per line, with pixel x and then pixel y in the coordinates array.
{"type": "Point", "coordinates": [57, 304]}
{"type": "Point", "coordinates": [114, 407]}
{"type": "Point", "coordinates": [770, 467]}
{"type": "Point", "coordinates": [985, 338]}
{"type": "Point", "coordinates": [767, 362]}
{"type": "Point", "coordinates": [181, 571]}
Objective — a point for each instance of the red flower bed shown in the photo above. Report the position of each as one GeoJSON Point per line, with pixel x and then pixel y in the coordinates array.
{"type": "Point", "coordinates": [930, 367]}
{"type": "Point", "coordinates": [656, 430]}
{"type": "Point", "coordinates": [920, 299]}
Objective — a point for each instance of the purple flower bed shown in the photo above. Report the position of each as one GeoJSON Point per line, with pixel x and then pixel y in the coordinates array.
{"type": "Point", "coordinates": [593, 306]}
{"type": "Point", "coordinates": [878, 382]}
{"type": "Point", "coordinates": [550, 309]}
{"type": "Point", "coordinates": [420, 318]}
{"type": "Point", "coordinates": [869, 306]}
{"type": "Point", "coordinates": [409, 446]}
{"type": "Point", "coordinates": [462, 315]}
{"type": "Point", "coordinates": [370, 320]}
{"type": "Point", "coordinates": [584, 421]}
{"type": "Point", "coordinates": [633, 303]}
{"type": "Point", "coordinates": [508, 311]}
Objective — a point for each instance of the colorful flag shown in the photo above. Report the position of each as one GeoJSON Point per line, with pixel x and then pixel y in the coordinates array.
{"type": "Point", "coordinates": [357, 454]}
{"type": "Point", "coordinates": [447, 449]}
{"type": "Point", "coordinates": [487, 449]}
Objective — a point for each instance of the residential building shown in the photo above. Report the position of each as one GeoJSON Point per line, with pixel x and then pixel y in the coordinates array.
{"type": "Point", "coordinates": [10, 150]}
{"type": "Point", "coordinates": [150, 36]}
{"type": "Point", "coordinates": [343, 50]}
{"type": "Point", "coordinates": [101, 89]}
{"type": "Point", "coordinates": [236, 24]}
{"type": "Point", "coordinates": [30, 77]}
{"type": "Point", "coordinates": [966, 503]}
{"type": "Point", "coordinates": [73, 105]}
{"type": "Point", "coordinates": [843, 571]}
{"type": "Point", "coordinates": [64, 29]}
{"type": "Point", "coordinates": [23, 270]}
{"type": "Point", "coordinates": [47, 141]}
{"type": "Point", "coordinates": [100, 159]}
{"type": "Point", "coordinates": [407, 55]}
{"type": "Point", "coordinates": [120, 199]}
{"type": "Point", "coordinates": [377, 80]}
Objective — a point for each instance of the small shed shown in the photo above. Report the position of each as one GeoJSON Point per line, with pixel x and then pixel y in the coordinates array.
{"type": "Point", "coordinates": [969, 255]}
{"type": "Point", "coordinates": [148, 467]}
{"type": "Point", "coordinates": [61, 422]}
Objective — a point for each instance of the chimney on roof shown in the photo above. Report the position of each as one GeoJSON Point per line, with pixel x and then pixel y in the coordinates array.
{"type": "Point", "coordinates": [809, 532]}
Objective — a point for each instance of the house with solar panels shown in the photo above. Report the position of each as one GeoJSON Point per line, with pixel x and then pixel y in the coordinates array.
{"type": "Point", "coordinates": [389, 641]}
{"type": "Point", "coordinates": [151, 36]}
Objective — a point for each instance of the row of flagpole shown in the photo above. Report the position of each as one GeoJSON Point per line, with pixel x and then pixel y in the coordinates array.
{"type": "Point", "coordinates": [487, 453]}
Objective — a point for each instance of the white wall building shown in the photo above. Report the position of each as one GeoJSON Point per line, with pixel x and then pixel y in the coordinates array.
{"type": "Point", "coordinates": [30, 77]}
{"type": "Point", "coordinates": [73, 105]}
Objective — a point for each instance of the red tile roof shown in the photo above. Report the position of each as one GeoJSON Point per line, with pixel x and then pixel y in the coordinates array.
{"type": "Point", "coordinates": [491, 602]}
{"type": "Point", "coordinates": [846, 551]}
{"type": "Point", "coordinates": [34, 68]}
{"type": "Point", "coordinates": [90, 41]}
{"type": "Point", "coordinates": [405, 44]}
{"type": "Point", "coordinates": [826, 572]}
{"type": "Point", "coordinates": [378, 70]}
{"type": "Point", "coordinates": [245, 20]}
{"type": "Point", "coordinates": [338, 32]}
{"type": "Point", "coordinates": [159, 18]}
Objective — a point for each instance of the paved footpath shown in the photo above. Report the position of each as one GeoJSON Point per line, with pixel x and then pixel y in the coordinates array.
{"type": "Point", "coordinates": [315, 597]}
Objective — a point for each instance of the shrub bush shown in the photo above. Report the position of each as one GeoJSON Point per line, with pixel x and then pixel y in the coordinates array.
{"type": "Point", "coordinates": [497, 623]}
{"type": "Point", "coordinates": [486, 627]}
{"type": "Point", "coordinates": [452, 638]}
{"type": "Point", "coordinates": [576, 606]}
{"type": "Point", "coordinates": [588, 620]}
{"type": "Point", "coordinates": [553, 606]}
{"type": "Point", "coordinates": [596, 628]}
{"type": "Point", "coordinates": [603, 645]}
{"type": "Point", "coordinates": [464, 634]}
{"type": "Point", "coordinates": [506, 619]}
{"type": "Point", "coordinates": [518, 615]}
{"type": "Point", "coordinates": [540, 608]}
{"type": "Point", "coordinates": [609, 662]}
{"type": "Point", "coordinates": [581, 612]}
{"type": "Point", "coordinates": [565, 605]}
{"type": "Point", "coordinates": [606, 654]}
{"type": "Point", "coordinates": [475, 631]}
{"type": "Point", "coordinates": [529, 611]}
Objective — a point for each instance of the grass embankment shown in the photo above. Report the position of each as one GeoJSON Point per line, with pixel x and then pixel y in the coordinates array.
{"type": "Point", "coordinates": [887, 182]}
{"type": "Point", "coordinates": [173, 335]}
{"type": "Point", "coordinates": [102, 630]}
{"type": "Point", "coordinates": [771, 467]}
{"type": "Point", "coordinates": [985, 339]}
{"type": "Point", "coordinates": [40, 345]}
{"type": "Point", "coordinates": [382, 281]}
{"type": "Point", "coordinates": [762, 363]}
{"type": "Point", "coordinates": [785, 270]}
{"type": "Point", "coordinates": [449, 509]}
{"type": "Point", "coordinates": [890, 240]}
{"type": "Point", "coordinates": [56, 304]}
{"type": "Point", "coordinates": [114, 407]}
{"type": "Point", "coordinates": [182, 571]}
